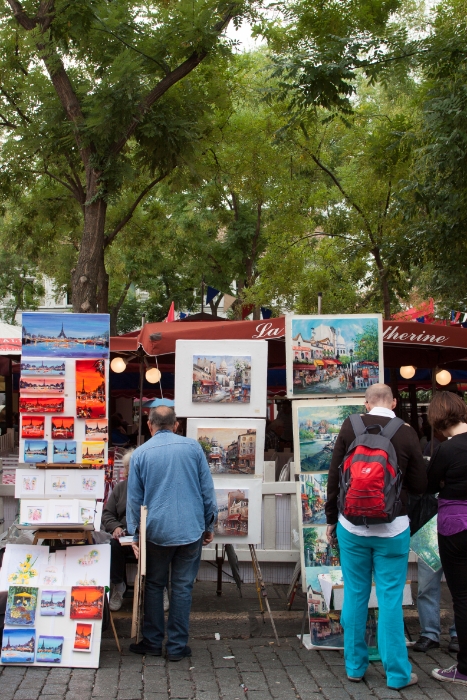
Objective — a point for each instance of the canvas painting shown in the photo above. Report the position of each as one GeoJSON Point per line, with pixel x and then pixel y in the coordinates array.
{"type": "Point", "coordinates": [425, 544]}
{"type": "Point", "coordinates": [32, 427]}
{"type": "Point", "coordinates": [35, 451]}
{"type": "Point", "coordinates": [59, 483]}
{"type": "Point", "coordinates": [232, 512]}
{"type": "Point", "coordinates": [34, 512]}
{"type": "Point", "coordinates": [90, 389]}
{"type": "Point", "coordinates": [93, 452]}
{"type": "Point", "coordinates": [221, 378]}
{"type": "Point", "coordinates": [41, 385]}
{"type": "Point", "coordinates": [328, 633]}
{"type": "Point", "coordinates": [49, 649]}
{"type": "Point", "coordinates": [35, 367]}
{"type": "Point", "coordinates": [239, 510]}
{"type": "Point", "coordinates": [313, 489]}
{"type": "Point", "coordinates": [32, 405]}
{"type": "Point", "coordinates": [333, 354]}
{"type": "Point", "coordinates": [87, 602]}
{"type": "Point", "coordinates": [22, 565]}
{"type": "Point", "coordinates": [29, 483]}
{"type": "Point", "coordinates": [316, 549]}
{"type": "Point", "coordinates": [88, 565]}
{"type": "Point", "coordinates": [65, 335]}
{"type": "Point", "coordinates": [83, 636]}
{"type": "Point", "coordinates": [21, 606]}
{"type": "Point", "coordinates": [63, 428]}
{"type": "Point", "coordinates": [96, 430]}
{"type": "Point", "coordinates": [230, 446]}
{"type": "Point", "coordinates": [18, 646]}
{"type": "Point", "coordinates": [317, 423]}
{"type": "Point", "coordinates": [53, 603]}
{"type": "Point", "coordinates": [64, 452]}
{"type": "Point", "coordinates": [63, 512]}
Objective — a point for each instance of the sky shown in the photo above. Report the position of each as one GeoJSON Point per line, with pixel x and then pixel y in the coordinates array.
{"type": "Point", "coordinates": [328, 413]}
{"type": "Point", "coordinates": [348, 327]}
{"type": "Point", "coordinates": [75, 325]}
{"type": "Point", "coordinates": [225, 436]}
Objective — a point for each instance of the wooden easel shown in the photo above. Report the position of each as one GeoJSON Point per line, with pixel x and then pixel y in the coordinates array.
{"type": "Point", "coordinates": [261, 590]}
{"type": "Point", "coordinates": [138, 600]}
{"type": "Point", "coordinates": [63, 535]}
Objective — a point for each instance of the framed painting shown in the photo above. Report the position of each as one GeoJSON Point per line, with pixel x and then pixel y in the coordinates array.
{"type": "Point", "coordinates": [35, 451]}
{"type": "Point", "coordinates": [90, 483]}
{"type": "Point", "coordinates": [41, 385]}
{"type": "Point", "coordinates": [239, 511]}
{"type": "Point", "coordinates": [316, 425]}
{"type": "Point", "coordinates": [83, 636]}
{"type": "Point", "coordinates": [63, 512]}
{"type": "Point", "coordinates": [32, 427]}
{"type": "Point", "coordinates": [86, 512]}
{"type": "Point", "coordinates": [63, 428]}
{"type": "Point", "coordinates": [65, 335]}
{"type": "Point", "coordinates": [18, 646]}
{"type": "Point", "coordinates": [35, 367]}
{"type": "Point", "coordinates": [333, 355]}
{"type": "Point", "coordinates": [64, 452]}
{"type": "Point", "coordinates": [87, 602]}
{"type": "Point", "coordinates": [96, 430]}
{"type": "Point", "coordinates": [21, 606]}
{"type": "Point", "coordinates": [40, 405]}
{"type": "Point", "coordinates": [59, 482]}
{"type": "Point", "coordinates": [29, 483]}
{"type": "Point", "coordinates": [49, 649]}
{"type": "Point", "coordinates": [221, 378]}
{"type": "Point", "coordinates": [34, 512]}
{"type": "Point", "coordinates": [90, 389]}
{"type": "Point", "coordinates": [231, 446]}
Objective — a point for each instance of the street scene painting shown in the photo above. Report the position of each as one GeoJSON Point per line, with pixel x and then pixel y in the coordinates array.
{"type": "Point", "coordinates": [63, 428]}
{"type": "Point", "coordinates": [18, 646]}
{"type": "Point", "coordinates": [87, 602]}
{"type": "Point", "coordinates": [313, 490]}
{"type": "Point", "coordinates": [64, 452]}
{"type": "Point", "coordinates": [229, 450]}
{"type": "Point", "coordinates": [333, 354]}
{"type": "Point", "coordinates": [65, 335]}
{"type": "Point", "coordinates": [53, 603]}
{"type": "Point", "coordinates": [96, 430]}
{"type": "Point", "coordinates": [83, 636]}
{"type": "Point", "coordinates": [425, 544]}
{"type": "Point", "coordinates": [31, 405]}
{"type": "Point", "coordinates": [49, 649]}
{"type": "Point", "coordinates": [232, 507]}
{"type": "Point", "coordinates": [221, 379]}
{"type": "Point", "coordinates": [316, 549]}
{"type": "Point", "coordinates": [40, 385]}
{"type": "Point", "coordinates": [42, 368]}
{"type": "Point", "coordinates": [327, 632]}
{"type": "Point", "coordinates": [90, 389]}
{"type": "Point", "coordinates": [21, 606]}
{"type": "Point", "coordinates": [316, 427]}
{"type": "Point", "coordinates": [32, 427]}
{"type": "Point", "coordinates": [35, 451]}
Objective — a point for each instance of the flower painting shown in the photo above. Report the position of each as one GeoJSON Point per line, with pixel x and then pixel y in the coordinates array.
{"type": "Point", "coordinates": [32, 427]}
{"type": "Point", "coordinates": [21, 606]}
{"type": "Point", "coordinates": [221, 379]}
{"type": "Point", "coordinates": [64, 452]}
{"type": "Point", "coordinates": [90, 389]}
{"type": "Point", "coordinates": [87, 602]}
{"type": "Point", "coordinates": [96, 430]}
{"type": "Point", "coordinates": [18, 646]}
{"type": "Point", "coordinates": [24, 570]}
{"type": "Point", "coordinates": [63, 428]}
{"type": "Point", "coordinates": [35, 451]}
{"type": "Point", "coordinates": [232, 518]}
{"type": "Point", "coordinates": [83, 636]}
{"type": "Point", "coordinates": [40, 405]}
{"type": "Point", "coordinates": [49, 649]}
{"type": "Point", "coordinates": [65, 335]}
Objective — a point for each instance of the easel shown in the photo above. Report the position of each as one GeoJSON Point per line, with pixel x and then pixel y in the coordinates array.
{"type": "Point", "coordinates": [71, 534]}
{"type": "Point", "coordinates": [261, 590]}
{"type": "Point", "coordinates": [138, 600]}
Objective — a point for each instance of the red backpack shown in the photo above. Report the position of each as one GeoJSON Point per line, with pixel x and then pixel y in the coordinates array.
{"type": "Point", "coordinates": [370, 479]}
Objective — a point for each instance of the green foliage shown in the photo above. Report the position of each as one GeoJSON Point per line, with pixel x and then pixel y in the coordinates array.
{"type": "Point", "coordinates": [367, 344]}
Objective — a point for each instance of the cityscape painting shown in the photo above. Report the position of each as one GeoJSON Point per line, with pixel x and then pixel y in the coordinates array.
{"type": "Point", "coordinates": [40, 385]}
{"type": "Point", "coordinates": [31, 405]}
{"type": "Point", "coordinates": [53, 603]}
{"type": "Point", "coordinates": [313, 490]}
{"type": "Point", "coordinates": [229, 450]}
{"type": "Point", "coordinates": [232, 512]}
{"type": "Point", "coordinates": [65, 335]}
{"type": "Point", "coordinates": [96, 430]}
{"type": "Point", "coordinates": [316, 549]}
{"type": "Point", "coordinates": [42, 368]}
{"type": "Point", "coordinates": [35, 451]}
{"type": "Point", "coordinates": [18, 646]}
{"type": "Point", "coordinates": [83, 636]}
{"type": "Point", "coordinates": [221, 379]}
{"type": "Point", "coordinates": [63, 428]}
{"type": "Point", "coordinates": [90, 389]}
{"type": "Point", "coordinates": [49, 649]}
{"type": "Point", "coordinates": [87, 602]}
{"type": "Point", "coordinates": [93, 452]}
{"type": "Point", "coordinates": [32, 427]}
{"type": "Point", "coordinates": [333, 354]}
{"type": "Point", "coordinates": [64, 452]}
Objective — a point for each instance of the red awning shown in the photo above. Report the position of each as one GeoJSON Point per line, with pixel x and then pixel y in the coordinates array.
{"type": "Point", "coordinates": [207, 382]}
{"type": "Point", "coordinates": [234, 517]}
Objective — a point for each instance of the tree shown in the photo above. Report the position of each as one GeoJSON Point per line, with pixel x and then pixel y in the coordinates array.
{"type": "Point", "coordinates": [367, 344]}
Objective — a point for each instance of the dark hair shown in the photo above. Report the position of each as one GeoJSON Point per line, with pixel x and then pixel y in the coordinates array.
{"type": "Point", "coordinates": [445, 410]}
{"type": "Point", "coordinates": [162, 417]}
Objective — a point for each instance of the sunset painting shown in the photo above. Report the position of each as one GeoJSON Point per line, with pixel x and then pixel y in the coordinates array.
{"type": "Point", "coordinates": [96, 430]}
{"type": "Point", "coordinates": [63, 428]}
{"type": "Point", "coordinates": [87, 602]}
{"type": "Point", "coordinates": [32, 427]}
{"type": "Point", "coordinates": [30, 405]}
{"type": "Point", "coordinates": [83, 636]}
{"type": "Point", "coordinates": [41, 385]}
{"type": "Point", "coordinates": [90, 389]}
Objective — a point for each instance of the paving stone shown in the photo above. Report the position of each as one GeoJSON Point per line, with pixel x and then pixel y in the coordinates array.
{"type": "Point", "coordinates": [128, 694]}
{"type": "Point", "coordinates": [26, 694]}
{"type": "Point", "coordinates": [78, 695]}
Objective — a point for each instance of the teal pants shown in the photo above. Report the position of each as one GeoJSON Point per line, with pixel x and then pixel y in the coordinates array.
{"type": "Point", "coordinates": [387, 558]}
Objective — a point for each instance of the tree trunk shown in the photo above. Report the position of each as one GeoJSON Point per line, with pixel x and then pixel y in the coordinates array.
{"type": "Point", "coordinates": [382, 272]}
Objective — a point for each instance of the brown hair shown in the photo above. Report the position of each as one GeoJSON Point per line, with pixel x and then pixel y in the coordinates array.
{"type": "Point", "coordinates": [445, 410]}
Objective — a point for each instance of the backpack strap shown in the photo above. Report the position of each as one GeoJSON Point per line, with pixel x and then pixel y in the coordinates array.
{"type": "Point", "coordinates": [358, 425]}
{"type": "Point", "coordinates": [391, 428]}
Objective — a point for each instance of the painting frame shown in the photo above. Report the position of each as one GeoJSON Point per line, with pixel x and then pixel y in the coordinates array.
{"type": "Point", "coordinates": [29, 483]}
{"type": "Point", "coordinates": [81, 643]}
{"type": "Point", "coordinates": [254, 487]}
{"type": "Point", "coordinates": [34, 512]}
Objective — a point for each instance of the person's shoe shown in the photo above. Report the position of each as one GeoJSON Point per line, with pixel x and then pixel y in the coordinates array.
{"type": "Point", "coordinates": [424, 644]}
{"type": "Point", "coordinates": [354, 679]}
{"type": "Point", "coordinates": [413, 680]}
{"type": "Point", "coordinates": [143, 647]}
{"type": "Point", "coordinates": [116, 598]}
{"type": "Point", "coordinates": [454, 645]}
{"type": "Point", "coordinates": [166, 600]}
{"type": "Point", "coordinates": [449, 674]}
{"type": "Point", "coordinates": [178, 657]}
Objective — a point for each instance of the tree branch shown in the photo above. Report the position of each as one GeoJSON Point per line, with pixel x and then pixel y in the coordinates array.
{"type": "Point", "coordinates": [13, 103]}
{"type": "Point", "coordinates": [24, 20]}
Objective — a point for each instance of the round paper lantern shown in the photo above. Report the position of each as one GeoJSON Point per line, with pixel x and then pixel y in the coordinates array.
{"type": "Point", "coordinates": [153, 375]}
{"type": "Point", "coordinates": [118, 365]}
{"type": "Point", "coordinates": [407, 371]}
{"type": "Point", "coordinates": [443, 377]}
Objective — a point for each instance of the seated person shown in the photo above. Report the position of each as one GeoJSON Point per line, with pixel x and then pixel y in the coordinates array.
{"type": "Point", "coordinates": [117, 433]}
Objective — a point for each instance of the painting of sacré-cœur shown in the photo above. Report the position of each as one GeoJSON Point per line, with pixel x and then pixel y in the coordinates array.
{"type": "Point", "coordinates": [221, 379]}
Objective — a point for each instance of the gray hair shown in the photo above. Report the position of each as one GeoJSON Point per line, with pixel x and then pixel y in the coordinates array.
{"type": "Point", "coordinates": [162, 417]}
{"type": "Point", "coordinates": [379, 395]}
{"type": "Point", "coordinates": [126, 460]}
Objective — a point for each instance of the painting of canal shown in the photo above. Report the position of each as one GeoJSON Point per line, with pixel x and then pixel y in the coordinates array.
{"type": "Point", "coordinates": [65, 335]}
{"type": "Point", "coordinates": [64, 452]}
{"type": "Point", "coordinates": [229, 450]}
{"type": "Point", "coordinates": [35, 451]}
{"type": "Point", "coordinates": [333, 354]}
{"type": "Point", "coordinates": [31, 405]}
{"type": "Point", "coordinates": [316, 427]}
{"type": "Point", "coordinates": [53, 603]}
{"type": "Point", "coordinates": [221, 379]}
{"type": "Point", "coordinates": [49, 649]}
{"type": "Point", "coordinates": [232, 519]}
{"type": "Point", "coordinates": [18, 646]}
{"type": "Point", "coordinates": [32, 427]}
{"type": "Point", "coordinates": [63, 428]}
{"type": "Point", "coordinates": [90, 389]}
{"type": "Point", "coordinates": [313, 489]}
{"type": "Point", "coordinates": [41, 385]}
{"type": "Point", "coordinates": [42, 368]}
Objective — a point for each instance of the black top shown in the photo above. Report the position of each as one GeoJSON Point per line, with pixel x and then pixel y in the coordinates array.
{"type": "Point", "coordinates": [114, 513]}
{"type": "Point", "coordinates": [409, 459]}
{"type": "Point", "coordinates": [447, 472]}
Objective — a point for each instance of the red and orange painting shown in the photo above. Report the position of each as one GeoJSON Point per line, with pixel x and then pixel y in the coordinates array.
{"type": "Point", "coordinates": [41, 385]}
{"type": "Point", "coordinates": [90, 389]}
{"type": "Point", "coordinates": [87, 602]}
{"type": "Point", "coordinates": [30, 405]}
{"type": "Point", "coordinates": [63, 428]}
{"type": "Point", "coordinates": [83, 636]}
{"type": "Point", "coordinates": [32, 427]}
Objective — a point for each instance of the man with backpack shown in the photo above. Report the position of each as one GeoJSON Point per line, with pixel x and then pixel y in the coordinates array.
{"type": "Point", "coordinates": [376, 461]}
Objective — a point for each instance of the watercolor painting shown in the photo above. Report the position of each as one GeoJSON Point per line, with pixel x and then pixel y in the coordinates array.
{"type": "Point", "coordinates": [93, 452]}
{"type": "Point", "coordinates": [32, 427]}
{"type": "Point", "coordinates": [63, 428]}
{"type": "Point", "coordinates": [317, 551]}
{"type": "Point", "coordinates": [83, 636]}
{"type": "Point", "coordinates": [24, 564]}
{"type": "Point", "coordinates": [52, 575]}
{"type": "Point", "coordinates": [65, 335]}
{"type": "Point", "coordinates": [58, 483]}
{"type": "Point", "coordinates": [64, 452]}
{"type": "Point", "coordinates": [96, 430]}
{"type": "Point", "coordinates": [49, 649]}
{"type": "Point", "coordinates": [90, 389]}
{"type": "Point", "coordinates": [64, 512]}
{"type": "Point", "coordinates": [313, 490]}
{"type": "Point", "coordinates": [333, 354]}
{"type": "Point", "coordinates": [229, 450]}
{"type": "Point", "coordinates": [29, 484]}
{"type": "Point", "coordinates": [87, 602]}
{"type": "Point", "coordinates": [221, 379]}
{"type": "Point", "coordinates": [232, 518]}
{"type": "Point", "coordinates": [53, 603]}
{"type": "Point", "coordinates": [21, 606]}
{"type": "Point", "coordinates": [41, 385]}
{"type": "Point", "coordinates": [42, 368]}
{"type": "Point", "coordinates": [88, 565]}
{"type": "Point", "coordinates": [18, 646]}
{"type": "Point", "coordinates": [33, 512]}
{"type": "Point", "coordinates": [30, 405]}
{"type": "Point", "coordinates": [35, 451]}
{"type": "Point", "coordinates": [328, 632]}
{"type": "Point", "coordinates": [86, 512]}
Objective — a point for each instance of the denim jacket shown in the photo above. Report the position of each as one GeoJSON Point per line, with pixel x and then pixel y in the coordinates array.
{"type": "Point", "coordinates": [170, 475]}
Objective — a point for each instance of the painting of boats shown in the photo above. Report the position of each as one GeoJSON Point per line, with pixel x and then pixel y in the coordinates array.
{"type": "Point", "coordinates": [65, 335]}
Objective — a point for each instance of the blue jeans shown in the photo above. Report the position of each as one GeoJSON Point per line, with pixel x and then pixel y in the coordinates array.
{"type": "Point", "coordinates": [428, 602]}
{"type": "Point", "coordinates": [184, 560]}
{"type": "Point", "coordinates": [387, 558]}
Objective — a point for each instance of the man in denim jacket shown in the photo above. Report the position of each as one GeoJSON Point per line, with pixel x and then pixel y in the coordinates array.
{"type": "Point", "coordinates": [170, 475]}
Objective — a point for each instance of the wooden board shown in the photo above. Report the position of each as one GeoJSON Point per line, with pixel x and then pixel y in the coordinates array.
{"type": "Point", "coordinates": [138, 600]}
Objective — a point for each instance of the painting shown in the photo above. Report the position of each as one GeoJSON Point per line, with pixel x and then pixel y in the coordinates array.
{"type": "Point", "coordinates": [53, 603]}
{"type": "Point", "coordinates": [316, 549]}
{"type": "Point", "coordinates": [65, 335]}
{"type": "Point", "coordinates": [35, 367]}
{"type": "Point", "coordinates": [88, 565]}
{"type": "Point", "coordinates": [230, 446]}
{"type": "Point", "coordinates": [49, 649]}
{"type": "Point", "coordinates": [90, 389]}
{"type": "Point", "coordinates": [63, 428]}
{"type": "Point", "coordinates": [52, 575]}
{"type": "Point", "coordinates": [221, 378]}
{"type": "Point", "coordinates": [87, 602]}
{"type": "Point", "coordinates": [21, 606]}
{"type": "Point", "coordinates": [31, 405]}
{"type": "Point", "coordinates": [64, 452]}
{"type": "Point", "coordinates": [63, 512]}
{"type": "Point", "coordinates": [32, 427]}
{"type": "Point", "coordinates": [83, 636]}
{"type": "Point", "coordinates": [91, 483]}
{"type": "Point", "coordinates": [35, 451]}
{"type": "Point", "coordinates": [316, 424]}
{"type": "Point", "coordinates": [232, 512]}
{"type": "Point", "coordinates": [239, 510]}
{"type": "Point", "coordinates": [41, 385]}
{"type": "Point", "coordinates": [93, 452]}
{"type": "Point", "coordinates": [29, 483]}
{"type": "Point", "coordinates": [425, 544]}
{"type": "Point", "coordinates": [96, 430]}
{"type": "Point", "coordinates": [313, 490]}
{"type": "Point", "coordinates": [59, 482]}
{"type": "Point", "coordinates": [333, 354]}
{"type": "Point", "coordinates": [86, 512]}
{"type": "Point", "coordinates": [18, 646]}
{"type": "Point", "coordinates": [22, 565]}
{"type": "Point", "coordinates": [33, 512]}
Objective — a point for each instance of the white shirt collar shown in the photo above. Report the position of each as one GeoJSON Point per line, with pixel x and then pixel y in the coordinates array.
{"type": "Point", "coordinates": [381, 411]}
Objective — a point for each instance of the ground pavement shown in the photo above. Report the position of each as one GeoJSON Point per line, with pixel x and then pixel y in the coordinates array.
{"type": "Point", "coordinates": [259, 669]}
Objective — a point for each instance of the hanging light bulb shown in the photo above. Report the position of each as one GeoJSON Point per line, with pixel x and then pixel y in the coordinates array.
{"type": "Point", "coordinates": [443, 377]}
{"type": "Point", "coordinates": [153, 375]}
{"type": "Point", "coordinates": [118, 365]}
{"type": "Point", "coordinates": [408, 371]}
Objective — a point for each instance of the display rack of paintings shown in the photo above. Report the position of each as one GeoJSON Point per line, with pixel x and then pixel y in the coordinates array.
{"type": "Point", "coordinates": [239, 510]}
{"type": "Point", "coordinates": [332, 354]}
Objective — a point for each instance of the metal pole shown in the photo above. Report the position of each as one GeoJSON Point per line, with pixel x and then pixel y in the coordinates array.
{"type": "Point", "coordinates": [320, 301]}
{"type": "Point", "coordinates": [141, 380]}
{"type": "Point", "coordinates": [202, 296]}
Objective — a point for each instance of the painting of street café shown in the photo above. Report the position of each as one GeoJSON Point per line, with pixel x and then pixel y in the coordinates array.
{"type": "Point", "coordinates": [232, 516]}
{"type": "Point", "coordinates": [313, 488]}
{"type": "Point", "coordinates": [229, 450]}
{"type": "Point", "coordinates": [333, 355]}
{"type": "Point", "coordinates": [221, 379]}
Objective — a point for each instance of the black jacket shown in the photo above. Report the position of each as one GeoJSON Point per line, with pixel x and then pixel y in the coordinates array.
{"type": "Point", "coordinates": [447, 472]}
{"type": "Point", "coordinates": [114, 513]}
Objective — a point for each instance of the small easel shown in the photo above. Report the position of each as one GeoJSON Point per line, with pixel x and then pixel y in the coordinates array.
{"type": "Point", "coordinates": [261, 590]}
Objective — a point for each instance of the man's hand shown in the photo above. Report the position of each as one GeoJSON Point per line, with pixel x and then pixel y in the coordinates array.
{"type": "Point", "coordinates": [331, 534]}
{"type": "Point", "coordinates": [208, 538]}
{"type": "Point", "coordinates": [118, 532]}
{"type": "Point", "coordinates": [135, 546]}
